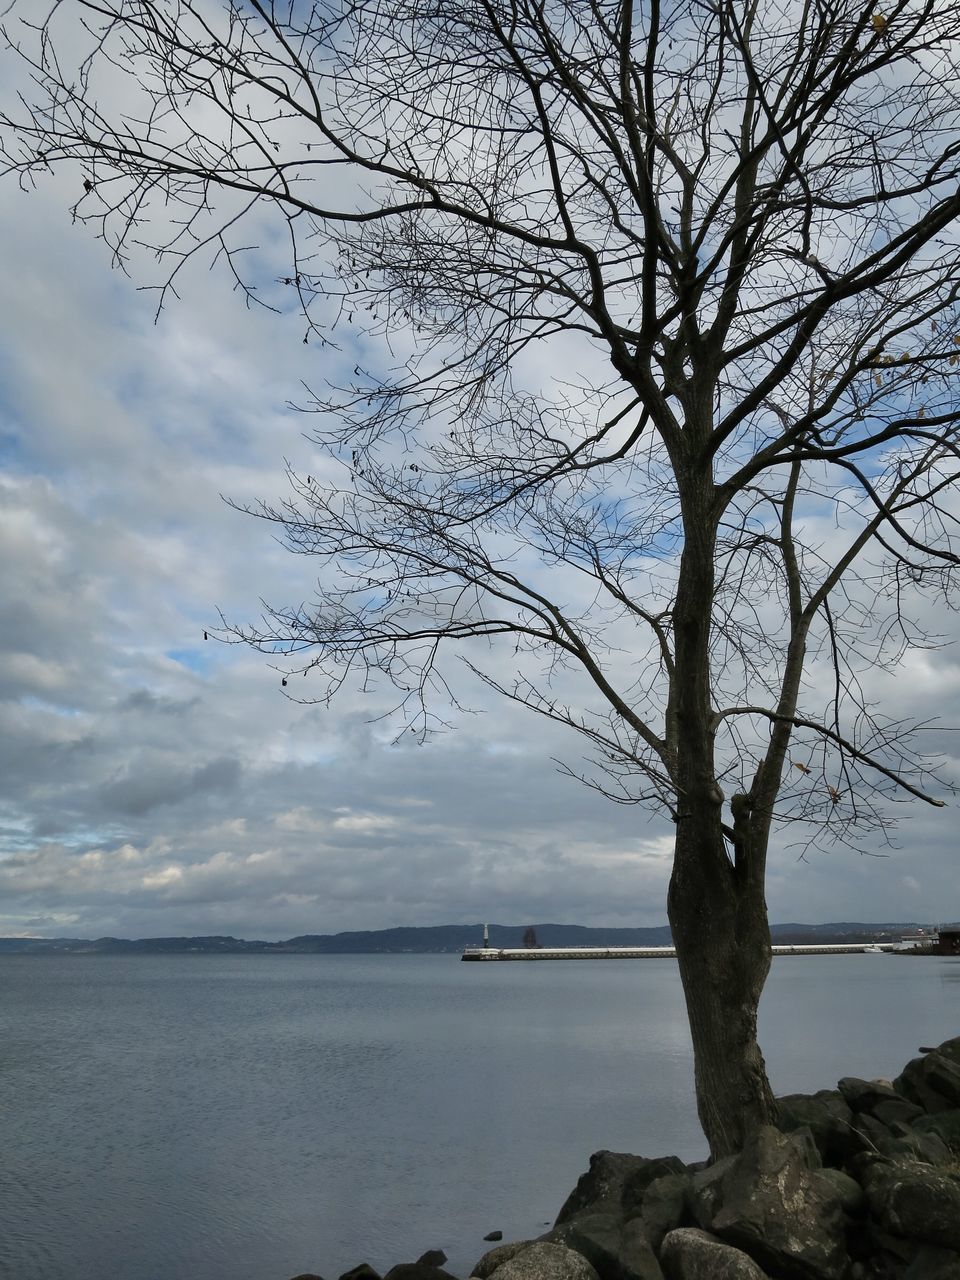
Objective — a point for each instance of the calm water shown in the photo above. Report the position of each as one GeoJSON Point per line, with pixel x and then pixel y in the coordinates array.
{"type": "Point", "coordinates": [253, 1117]}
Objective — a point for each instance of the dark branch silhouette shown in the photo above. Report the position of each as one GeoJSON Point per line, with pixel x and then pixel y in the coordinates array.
{"type": "Point", "coordinates": [664, 396]}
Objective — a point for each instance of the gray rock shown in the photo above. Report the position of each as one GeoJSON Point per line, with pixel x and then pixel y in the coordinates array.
{"type": "Point", "coordinates": [494, 1258]}
{"type": "Point", "coordinates": [432, 1258]}
{"type": "Point", "coordinates": [417, 1271]}
{"type": "Point", "coordinates": [666, 1206]}
{"type": "Point", "coordinates": [595, 1236]}
{"type": "Point", "coordinates": [806, 1148]}
{"type": "Point", "coordinates": [637, 1259]}
{"type": "Point", "coordinates": [829, 1119]}
{"type": "Point", "coordinates": [943, 1074]}
{"type": "Point", "coordinates": [847, 1188]}
{"type": "Point", "coordinates": [616, 1251]}
{"type": "Point", "coordinates": [872, 1132]}
{"type": "Point", "coordinates": [544, 1261]}
{"type": "Point", "coordinates": [770, 1203]}
{"type": "Point", "coordinates": [915, 1144]}
{"type": "Point", "coordinates": [933, 1264]}
{"type": "Point", "coordinates": [863, 1095]}
{"type": "Point", "coordinates": [910, 1081]}
{"type": "Point", "coordinates": [916, 1201]}
{"type": "Point", "coordinates": [637, 1184]}
{"type": "Point", "coordinates": [950, 1049]}
{"type": "Point", "coordinates": [690, 1254]}
{"type": "Point", "coordinates": [888, 1253]}
{"type": "Point", "coordinates": [363, 1272]}
{"type": "Point", "coordinates": [916, 1085]}
{"type": "Point", "coordinates": [896, 1110]}
{"type": "Point", "coordinates": [493, 1235]}
{"type": "Point", "coordinates": [602, 1188]}
{"type": "Point", "coordinates": [944, 1124]}
{"type": "Point", "coordinates": [707, 1191]}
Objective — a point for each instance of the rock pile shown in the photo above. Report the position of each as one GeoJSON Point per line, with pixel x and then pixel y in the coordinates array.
{"type": "Point", "coordinates": [857, 1183]}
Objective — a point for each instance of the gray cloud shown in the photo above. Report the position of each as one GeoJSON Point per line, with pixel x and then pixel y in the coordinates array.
{"type": "Point", "coordinates": [153, 782]}
{"type": "Point", "coordinates": [147, 785]}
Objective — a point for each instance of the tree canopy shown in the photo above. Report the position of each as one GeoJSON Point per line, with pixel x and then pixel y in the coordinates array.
{"type": "Point", "coordinates": [657, 381]}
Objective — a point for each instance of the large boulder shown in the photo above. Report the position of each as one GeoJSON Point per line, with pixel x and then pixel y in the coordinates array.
{"type": "Point", "coordinates": [869, 1131]}
{"type": "Point", "coordinates": [690, 1254]}
{"type": "Point", "coordinates": [637, 1258]}
{"type": "Point", "coordinates": [863, 1095]}
{"type": "Point", "coordinates": [847, 1188]}
{"type": "Point", "coordinates": [915, 1201]}
{"type": "Point", "coordinates": [665, 1206]}
{"type": "Point", "coordinates": [891, 1111]}
{"type": "Point", "coordinates": [637, 1185]}
{"type": "Point", "coordinates": [706, 1193]}
{"type": "Point", "coordinates": [596, 1236]}
{"type": "Point", "coordinates": [933, 1264]}
{"type": "Point", "coordinates": [616, 1250]}
{"type": "Point", "coordinates": [942, 1073]}
{"type": "Point", "coordinates": [600, 1189]}
{"type": "Point", "coordinates": [828, 1117]}
{"type": "Point", "coordinates": [945, 1125]}
{"type": "Point", "coordinates": [931, 1082]}
{"type": "Point", "coordinates": [950, 1049]}
{"type": "Point", "coordinates": [494, 1258]}
{"type": "Point", "coordinates": [417, 1271]}
{"type": "Point", "coordinates": [614, 1181]}
{"type": "Point", "coordinates": [909, 1143]}
{"type": "Point", "coordinates": [773, 1202]}
{"type": "Point", "coordinates": [544, 1261]}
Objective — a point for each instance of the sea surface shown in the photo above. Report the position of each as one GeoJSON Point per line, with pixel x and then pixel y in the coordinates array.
{"type": "Point", "coordinates": [253, 1117]}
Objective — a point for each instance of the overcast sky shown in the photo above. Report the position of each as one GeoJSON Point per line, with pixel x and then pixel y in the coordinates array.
{"type": "Point", "coordinates": [154, 783]}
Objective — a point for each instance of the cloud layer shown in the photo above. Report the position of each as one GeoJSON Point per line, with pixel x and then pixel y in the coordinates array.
{"type": "Point", "coordinates": [153, 782]}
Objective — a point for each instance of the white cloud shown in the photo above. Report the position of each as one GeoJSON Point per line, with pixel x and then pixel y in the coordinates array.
{"type": "Point", "coordinates": [152, 782]}
{"type": "Point", "coordinates": [364, 823]}
{"type": "Point", "coordinates": [171, 874]}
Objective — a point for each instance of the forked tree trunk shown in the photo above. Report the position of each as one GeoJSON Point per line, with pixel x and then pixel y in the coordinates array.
{"type": "Point", "coordinates": [719, 922]}
{"type": "Point", "coordinates": [716, 902]}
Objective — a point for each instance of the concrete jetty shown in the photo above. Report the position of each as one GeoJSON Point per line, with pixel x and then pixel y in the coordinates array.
{"type": "Point", "coordinates": [658, 953]}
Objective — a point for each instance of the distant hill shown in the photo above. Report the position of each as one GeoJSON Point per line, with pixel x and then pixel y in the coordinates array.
{"type": "Point", "coordinates": [454, 937]}
{"type": "Point", "coordinates": [438, 939]}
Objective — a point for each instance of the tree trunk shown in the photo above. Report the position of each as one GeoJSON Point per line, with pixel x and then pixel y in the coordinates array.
{"type": "Point", "coordinates": [720, 929]}
{"type": "Point", "coordinates": [716, 901]}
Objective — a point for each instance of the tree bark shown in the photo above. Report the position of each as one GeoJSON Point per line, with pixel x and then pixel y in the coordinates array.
{"type": "Point", "coordinates": [716, 902]}
{"type": "Point", "coordinates": [722, 938]}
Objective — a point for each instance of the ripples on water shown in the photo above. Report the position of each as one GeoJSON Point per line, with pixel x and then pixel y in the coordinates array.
{"type": "Point", "coordinates": [253, 1117]}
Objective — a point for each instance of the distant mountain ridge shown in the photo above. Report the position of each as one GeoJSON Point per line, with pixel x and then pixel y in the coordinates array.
{"type": "Point", "coordinates": [435, 939]}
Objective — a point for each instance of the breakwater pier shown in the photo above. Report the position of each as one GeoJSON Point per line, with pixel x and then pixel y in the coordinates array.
{"type": "Point", "coordinates": [658, 953]}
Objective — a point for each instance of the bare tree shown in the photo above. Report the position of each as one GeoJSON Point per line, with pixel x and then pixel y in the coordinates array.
{"type": "Point", "coordinates": [672, 295]}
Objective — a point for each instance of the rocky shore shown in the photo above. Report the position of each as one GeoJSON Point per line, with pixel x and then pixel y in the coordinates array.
{"type": "Point", "coordinates": [861, 1182]}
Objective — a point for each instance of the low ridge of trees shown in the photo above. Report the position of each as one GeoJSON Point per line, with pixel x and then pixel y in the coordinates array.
{"type": "Point", "coordinates": [671, 419]}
